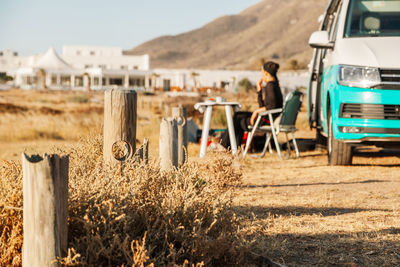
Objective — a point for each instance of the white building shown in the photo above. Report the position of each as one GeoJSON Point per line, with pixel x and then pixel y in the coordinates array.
{"type": "Point", "coordinates": [84, 67]}
{"type": "Point", "coordinates": [95, 67]}
{"type": "Point", "coordinates": [9, 62]}
{"type": "Point", "coordinates": [84, 57]}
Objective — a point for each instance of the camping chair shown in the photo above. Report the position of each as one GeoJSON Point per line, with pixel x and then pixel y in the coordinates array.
{"type": "Point", "coordinates": [286, 125]}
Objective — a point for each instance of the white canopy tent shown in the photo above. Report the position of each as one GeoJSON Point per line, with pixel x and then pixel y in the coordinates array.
{"type": "Point", "coordinates": [48, 70]}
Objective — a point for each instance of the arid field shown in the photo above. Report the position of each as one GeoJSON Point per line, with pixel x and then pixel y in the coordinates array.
{"type": "Point", "coordinates": [216, 211]}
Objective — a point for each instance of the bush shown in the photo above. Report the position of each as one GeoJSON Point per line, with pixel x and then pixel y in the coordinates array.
{"type": "Point", "coordinates": [245, 85]}
{"type": "Point", "coordinates": [5, 78]}
{"type": "Point", "coordinates": [78, 99]}
{"type": "Point", "coordinates": [293, 64]}
{"type": "Point", "coordinates": [137, 215]}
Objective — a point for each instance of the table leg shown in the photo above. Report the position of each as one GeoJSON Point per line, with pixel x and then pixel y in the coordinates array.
{"type": "Point", "coordinates": [231, 129]}
{"type": "Point", "coordinates": [206, 129]}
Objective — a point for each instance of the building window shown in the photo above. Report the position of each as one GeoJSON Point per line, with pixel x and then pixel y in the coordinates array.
{"type": "Point", "coordinates": [78, 81]}
{"type": "Point", "coordinates": [15, 54]}
{"type": "Point", "coordinates": [53, 79]}
{"type": "Point", "coordinates": [133, 82]}
{"type": "Point", "coordinates": [66, 80]}
{"type": "Point", "coordinates": [116, 81]}
{"type": "Point", "coordinates": [88, 66]}
{"type": "Point", "coordinates": [102, 66]}
{"type": "Point", "coordinates": [29, 80]}
{"type": "Point", "coordinates": [136, 82]}
{"type": "Point", "coordinates": [96, 81]}
{"type": "Point", "coordinates": [1, 53]}
{"type": "Point", "coordinates": [92, 53]}
{"type": "Point", "coordinates": [167, 85]}
{"type": "Point", "coordinates": [78, 52]}
{"type": "Point", "coordinates": [124, 67]}
{"type": "Point", "coordinates": [135, 67]}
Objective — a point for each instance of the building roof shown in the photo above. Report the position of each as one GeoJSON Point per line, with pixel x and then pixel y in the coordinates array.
{"type": "Point", "coordinates": [51, 60]}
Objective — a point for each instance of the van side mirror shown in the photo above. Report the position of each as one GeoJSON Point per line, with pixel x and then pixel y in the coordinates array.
{"type": "Point", "coordinates": [320, 39]}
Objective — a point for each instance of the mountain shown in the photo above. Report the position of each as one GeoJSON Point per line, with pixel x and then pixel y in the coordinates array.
{"type": "Point", "coordinates": [271, 29]}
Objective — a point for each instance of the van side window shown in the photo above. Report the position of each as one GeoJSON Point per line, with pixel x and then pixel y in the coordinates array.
{"type": "Point", "coordinates": [329, 28]}
{"type": "Point", "coordinates": [333, 35]}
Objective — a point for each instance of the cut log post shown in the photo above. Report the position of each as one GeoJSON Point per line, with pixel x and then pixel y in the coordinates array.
{"type": "Point", "coordinates": [120, 116]}
{"type": "Point", "coordinates": [168, 144]}
{"type": "Point", "coordinates": [180, 114]}
{"type": "Point", "coordinates": [45, 201]}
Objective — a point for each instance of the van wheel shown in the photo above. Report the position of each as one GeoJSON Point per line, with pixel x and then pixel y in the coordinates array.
{"type": "Point", "coordinates": [339, 153]}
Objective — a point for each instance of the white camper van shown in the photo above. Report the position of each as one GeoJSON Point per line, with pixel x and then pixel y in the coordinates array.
{"type": "Point", "coordinates": [354, 87]}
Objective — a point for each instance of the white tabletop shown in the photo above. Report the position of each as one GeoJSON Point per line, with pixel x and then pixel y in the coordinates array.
{"type": "Point", "coordinates": [200, 106]}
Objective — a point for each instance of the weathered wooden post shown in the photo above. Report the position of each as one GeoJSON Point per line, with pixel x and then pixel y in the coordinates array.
{"type": "Point", "coordinates": [168, 144]}
{"type": "Point", "coordinates": [120, 115]}
{"type": "Point", "coordinates": [180, 114]}
{"type": "Point", "coordinates": [45, 196]}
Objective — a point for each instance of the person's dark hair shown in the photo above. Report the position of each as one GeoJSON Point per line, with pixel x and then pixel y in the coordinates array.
{"type": "Point", "coordinates": [272, 68]}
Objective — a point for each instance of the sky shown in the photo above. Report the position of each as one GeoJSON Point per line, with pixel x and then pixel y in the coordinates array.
{"type": "Point", "coordinates": [32, 26]}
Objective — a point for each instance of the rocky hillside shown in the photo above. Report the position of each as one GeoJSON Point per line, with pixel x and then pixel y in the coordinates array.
{"type": "Point", "coordinates": [271, 29]}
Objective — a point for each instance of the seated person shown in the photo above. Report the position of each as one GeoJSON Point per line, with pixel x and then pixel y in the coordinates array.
{"type": "Point", "coordinates": [269, 97]}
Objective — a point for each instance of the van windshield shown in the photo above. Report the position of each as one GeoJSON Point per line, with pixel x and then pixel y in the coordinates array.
{"type": "Point", "coordinates": [367, 18]}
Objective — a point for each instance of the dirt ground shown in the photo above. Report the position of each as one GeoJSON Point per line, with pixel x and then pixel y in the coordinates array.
{"type": "Point", "coordinates": [310, 214]}
{"type": "Point", "coordinates": [298, 212]}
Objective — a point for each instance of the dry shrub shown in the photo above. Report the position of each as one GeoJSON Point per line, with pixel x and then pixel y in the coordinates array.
{"type": "Point", "coordinates": [10, 213]}
{"type": "Point", "coordinates": [184, 213]}
{"type": "Point", "coordinates": [137, 215]}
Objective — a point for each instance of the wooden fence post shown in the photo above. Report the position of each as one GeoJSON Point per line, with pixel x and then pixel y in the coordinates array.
{"type": "Point", "coordinates": [180, 114]}
{"type": "Point", "coordinates": [45, 201]}
{"type": "Point", "coordinates": [168, 144]}
{"type": "Point", "coordinates": [120, 116]}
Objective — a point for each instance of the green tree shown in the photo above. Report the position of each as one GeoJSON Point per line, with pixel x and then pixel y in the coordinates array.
{"type": "Point", "coordinates": [245, 85]}
{"type": "Point", "coordinates": [293, 64]}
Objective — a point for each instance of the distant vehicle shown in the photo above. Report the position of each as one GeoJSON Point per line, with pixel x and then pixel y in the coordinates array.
{"type": "Point", "coordinates": [354, 86]}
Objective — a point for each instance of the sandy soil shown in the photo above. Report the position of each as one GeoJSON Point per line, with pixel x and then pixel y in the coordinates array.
{"type": "Point", "coordinates": [311, 214]}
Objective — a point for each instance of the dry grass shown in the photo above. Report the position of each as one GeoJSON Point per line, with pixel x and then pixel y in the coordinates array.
{"type": "Point", "coordinates": [10, 213]}
{"type": "Point", "coordinates": [28, 116]}
{"type": "Point", "coordinates": [139, 215]}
